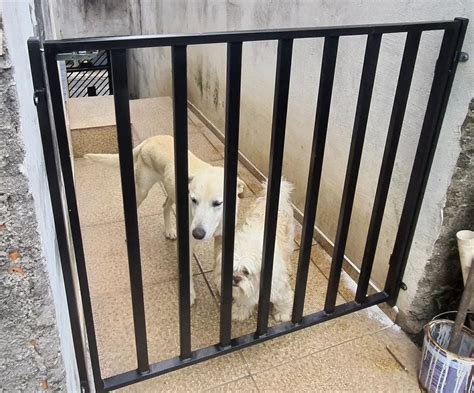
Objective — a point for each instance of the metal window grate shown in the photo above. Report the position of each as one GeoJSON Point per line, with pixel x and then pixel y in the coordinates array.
{"type": "Point", "coordinates": [60, 177]}
{"type": "Point", "coordinates": [89, 74]}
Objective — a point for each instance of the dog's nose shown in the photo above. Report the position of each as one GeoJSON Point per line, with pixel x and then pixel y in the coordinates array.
{"type": "Point", "coordinates": [199, 233]}
{"type": "Point", "coordinates": [236, 280]}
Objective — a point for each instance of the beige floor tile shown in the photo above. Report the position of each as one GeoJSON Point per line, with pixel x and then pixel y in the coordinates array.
{"type": "Point", "coordinates": [99, 194]}
{"type": "Point", "coordinates": [106, 254]}
{"type": "Point", "coordinates": [241, 385]}
{"type": "Point", "coordinates": [406, 353]}
{"type": "Point", "coordinates": [114, 324]}
{"type": "Point", "coordinates": [359, 365]}
{"type": "Point", "coordinates": [200, 377]}
{"type": "Point", "coordinates": [86, 112]}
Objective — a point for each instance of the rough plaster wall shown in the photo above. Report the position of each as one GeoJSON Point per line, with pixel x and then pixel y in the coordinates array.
{"type": "Point", "coordinates": [441, 286]}
{"type": "Point", "coordinates": [29, 343]}
{"type": "Point", "coordinates": [206, 79]}
{"type": "Point", "coordinates": [23, 19]}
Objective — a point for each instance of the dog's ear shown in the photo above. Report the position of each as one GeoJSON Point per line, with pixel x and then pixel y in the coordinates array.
{"type": "Point", "coordinates": [240, 187]}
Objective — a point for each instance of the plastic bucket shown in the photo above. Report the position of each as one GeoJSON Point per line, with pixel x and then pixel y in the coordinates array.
{"type": "Point", "coordinates": [441, 370]}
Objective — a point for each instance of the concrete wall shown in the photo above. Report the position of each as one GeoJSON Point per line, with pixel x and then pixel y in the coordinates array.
{"type": "Point", "coordinates": [206, 78]}
{"type": "Point", "coordinates": [36, 334]}
{"type": "Point", "coordinates": [88, 18]}
{"type": "Point", "coordinates": [441, 286]}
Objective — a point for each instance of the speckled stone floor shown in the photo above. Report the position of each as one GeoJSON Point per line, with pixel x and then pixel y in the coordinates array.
{"type": "Point", "coordinates": [363, 351]}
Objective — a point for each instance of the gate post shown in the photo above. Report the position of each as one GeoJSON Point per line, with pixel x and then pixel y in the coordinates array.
{"type": "Point", "coordinates": [55, 185]}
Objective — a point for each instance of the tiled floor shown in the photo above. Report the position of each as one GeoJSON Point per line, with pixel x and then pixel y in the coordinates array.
{"type": "Point", "coordinates": [362, 351]}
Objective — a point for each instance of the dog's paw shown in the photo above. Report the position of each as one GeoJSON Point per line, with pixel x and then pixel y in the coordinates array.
{"type": "Point", "coordinates": [282, 316]}
{"type": "Point", "coordinates": [170, 234]}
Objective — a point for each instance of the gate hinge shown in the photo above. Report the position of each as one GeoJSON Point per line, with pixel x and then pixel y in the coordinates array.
{"type": "Point", "coordinates": [459, 57]}
{"type": "Point", "coordinates": [463, 57]}
{"type": "Point", "coordinates": [37, 93]}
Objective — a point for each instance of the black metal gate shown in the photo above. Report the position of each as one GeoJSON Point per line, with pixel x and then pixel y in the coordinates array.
{"type": "Point", "coordinates": [56, 152]}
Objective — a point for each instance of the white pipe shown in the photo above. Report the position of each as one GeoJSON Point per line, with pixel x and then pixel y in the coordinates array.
{"type": "Point", "coordinates": [466, 251]}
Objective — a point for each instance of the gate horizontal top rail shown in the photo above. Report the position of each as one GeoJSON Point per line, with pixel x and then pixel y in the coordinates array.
{"type": "Point", "coordinates": [122, 42]}
{"type": "Point", "coordinates": [60, 173]}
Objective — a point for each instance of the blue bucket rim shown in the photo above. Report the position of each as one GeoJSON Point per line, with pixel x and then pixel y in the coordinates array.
{"type": "Point", "coordinates": [432, 341]}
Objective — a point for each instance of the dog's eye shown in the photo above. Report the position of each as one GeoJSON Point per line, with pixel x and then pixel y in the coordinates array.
{"type": "Point", "coordinates": [216, 203]}
{"type": "Point", "coordinates": [194, 200]}
{"type": "Point", "coordinates": [245, 271]}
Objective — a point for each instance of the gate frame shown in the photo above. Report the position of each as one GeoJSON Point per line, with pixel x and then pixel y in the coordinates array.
{"type": "Point", "coordinates": [48, 97]}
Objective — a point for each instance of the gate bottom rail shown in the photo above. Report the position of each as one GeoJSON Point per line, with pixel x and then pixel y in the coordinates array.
{"type": "Point", "coordinates": [200, 355]}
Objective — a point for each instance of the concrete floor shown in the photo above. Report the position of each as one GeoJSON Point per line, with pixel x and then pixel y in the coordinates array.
{"type": "Point", "coordinates": [360, 351]}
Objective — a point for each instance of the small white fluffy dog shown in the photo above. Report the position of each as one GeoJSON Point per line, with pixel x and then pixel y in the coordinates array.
{"type": "Point", "coordinates": [248, 259]}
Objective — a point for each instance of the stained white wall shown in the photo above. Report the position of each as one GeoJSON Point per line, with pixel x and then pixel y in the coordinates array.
{"type": "Point", "coordinates": [206, 79]}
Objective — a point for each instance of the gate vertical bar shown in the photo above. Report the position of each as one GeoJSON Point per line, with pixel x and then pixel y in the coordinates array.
{"type": "Point", "coordinates": [53, 174]}
{"type": "Point", "coordinates": [280, 108]}
{"type": "Point", "coordinates": [109, 73]}
{"type": "Point", "coordinates": [124, 140]}
{"type": "Point", "coordinates": [234, 71]}
{"type": "Point", "coordinates": [353, 164]}
{"type": "Point", "coordinates": [391, 144]}
{"type": "Point", "coordinates": [180, 120]}
{"type": "Point", "coordinates": [441, 87]}
{"type": "Point", "coordinates": [326, 80]}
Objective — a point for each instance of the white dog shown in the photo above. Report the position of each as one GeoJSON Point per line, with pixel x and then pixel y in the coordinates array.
{"type": "Point", "coordinates": [248, 259]}
{"type": "Point", "coordinates": [154, 162]}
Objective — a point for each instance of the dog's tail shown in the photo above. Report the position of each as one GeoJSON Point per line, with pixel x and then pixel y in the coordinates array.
{"type": "Point", "coordinates": [111, 159]}
{"type": "Point", "coordinates": [286, 222]}
{"type": "Point", "coordinates": [286, 189]}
